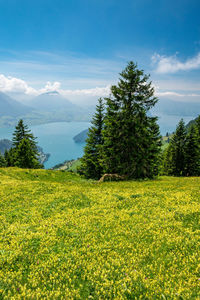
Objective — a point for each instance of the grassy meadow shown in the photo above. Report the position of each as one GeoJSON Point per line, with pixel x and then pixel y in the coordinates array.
{"type": "Point", "coordinates": [63, 237]}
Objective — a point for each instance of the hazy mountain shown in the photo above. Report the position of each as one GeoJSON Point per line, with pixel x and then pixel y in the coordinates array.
{"type": "Point", "coordinates": [81, 137]}
{"type": "Point", "coordinates": [45, 108]}
{"type": "Point", "coordinates": [178, 108]}
{"type": "Point", "coordinates": [51, 101]}
{"type": "Point", "coordinates": [192, 122]}
{"type": "Point", "coordinates": [5, 144]}
{"type": "Point", "coordinates": [11, 107]}
{"type": "Point", "coordinates": [170, 112]}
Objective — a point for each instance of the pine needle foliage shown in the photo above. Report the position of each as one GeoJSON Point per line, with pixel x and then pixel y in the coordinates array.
{"type": "Point", "coordinates": [192, 152]}
{"type": "Point", "coordinates": [24, 152]}
{"type": "Point", "coordinates": [182, 157]}
{"type": "Point", "coordinates": [90, 162]}
{"type": "Point", "coordinates": [131, 138]}
{"type": "Point", "coordinates": [126, 141]}
{"type": "Point", "coordinates": [2, 161]}
{"type": "Point", "coordinates": [22, 132]}
{"type": "Point", "coordinates": [178, 150]}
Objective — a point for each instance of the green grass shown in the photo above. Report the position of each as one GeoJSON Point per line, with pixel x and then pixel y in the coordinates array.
{"type": "Point", "coordinates": [70, 165]}
{"type": "Point", "coordinates": [63, 237]}
{"type": "Point", "coordinates": [75, 165]}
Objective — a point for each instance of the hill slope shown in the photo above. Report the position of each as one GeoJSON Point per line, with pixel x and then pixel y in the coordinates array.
{"type": "Point", "coordinates": [51, 101]}
{"type": "Point", "coordinates": [10, 107]}
{"type": "Point", "coordinates": [192, 122]}
{"type": "Point", "coordinates": [5, 144]}
{"type": "Point", "coordinates": [62, 237]}
{"type": "Point", "coordinates": [81, 137]}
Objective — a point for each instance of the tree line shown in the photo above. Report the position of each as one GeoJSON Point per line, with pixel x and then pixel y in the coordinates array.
{"type": "Point", "coordinates": [124, 138]}
{"type": "Point", "coordinates": [182, 156]}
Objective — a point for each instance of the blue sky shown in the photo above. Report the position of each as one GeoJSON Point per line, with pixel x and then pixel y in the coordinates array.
{"type": "Point", "coordinates": [80, 46]}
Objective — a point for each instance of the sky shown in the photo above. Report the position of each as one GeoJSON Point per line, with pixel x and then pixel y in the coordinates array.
{"type": "Point", "coordinates": [79, 47]}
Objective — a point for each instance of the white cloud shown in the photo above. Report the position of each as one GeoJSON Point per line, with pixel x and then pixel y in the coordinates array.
{"type": "Point", "coordinates": [189, 85]}
{"type": "Point", "coordinates": [50, 86]}
{"type": "Point", "coordinates": [98, 91]}
{"type": "Point", "coordinates": [171, 93]}
{"type": "Point", "coordinates": [15, 85]}
{"type": "Point", "coordinates": [177, 96]}
{"type": "Point", "coordinates": [171, 64]}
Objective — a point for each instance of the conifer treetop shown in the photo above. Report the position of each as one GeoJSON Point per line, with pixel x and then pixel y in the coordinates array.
{"type": "Point", "coordinates": [21, 132]}
{"type": "Point", "coordinates": [133, 90]}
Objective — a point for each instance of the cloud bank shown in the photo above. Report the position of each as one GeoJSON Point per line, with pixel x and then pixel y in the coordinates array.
{"type": "Point", "coordinates": [171, 64]}
{"type": "Point", "coordinates": [18, 86]}
{"type": "Point", "coordinates": [175, 94]}
{"type": "Point", "coordinates": [12, 85]}
{"type": "Point", "coordinates": [15, 85]}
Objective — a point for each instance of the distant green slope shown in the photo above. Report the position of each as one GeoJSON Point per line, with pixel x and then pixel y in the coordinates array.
{"type": "Point", "coordinates": [68, 165]}
{"type": "Point", "coordinates": [5, 144]}
{"type": "Point", "coordinates": [192, 122]}
{"type": "Point", "coordinates": [63, 237]}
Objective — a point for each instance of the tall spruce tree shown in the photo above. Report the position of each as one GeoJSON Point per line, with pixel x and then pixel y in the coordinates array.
{"type": "Point", "coordinates": [24, 152]}
{"type": "Point", "coordinates": [10, 157]}
{"type": "Point", "coordinates": [167, 161]}
{"type": "Point", "coordinates": [197, 124]}
{"type": "Point", "coordinates": [182, 157]}
{"type": "Point", "coordinates": [178, 150]}
{"type": "Point", "coordinates": [26, 157]}
{"type": "Point", "coordinates": [90, 162]}
{"type": "Point", "coordinates": [2, 161]}
{"type": "Point", "coordinates": [192, 152]}
{"type": "Point", "coordinates": [154, 148]}
{"type": "Point", "coordinates": [22, 132]}
{"type": "Point", "coordinates": [131, 138]}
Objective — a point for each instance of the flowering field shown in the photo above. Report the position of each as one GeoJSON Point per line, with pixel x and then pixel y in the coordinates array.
{"type": "Point", "coordinates": [62, 237]}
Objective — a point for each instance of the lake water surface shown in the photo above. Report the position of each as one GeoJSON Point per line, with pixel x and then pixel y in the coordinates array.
{"type": "Point", "coordinates": [56, 139]}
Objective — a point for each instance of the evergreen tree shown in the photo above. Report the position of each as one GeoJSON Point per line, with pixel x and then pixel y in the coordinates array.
{"type": "Point", "coordinates": [154, 148]}
{"type": "Point", "coordinates": [167, 161]}
{"type": "Point", "coordinates": [2, 161]}
{"type": "Point", "coordinates": [21, 132]}
{"type": "Point", "coordinates": [178, 150]}
{"type": "Point", "coordinates": [192, 153]}
{"type": "Point", "coordinates": [26, 156]}
{"type": "Point", "coordinates": [131, 138]}
{"type": "Point", "coordinates": [90, 166]}
{"type": "Point", "coordinates": [24, 153]}
{"type": "Point", "coordinates": [10, 157]}
{"type": "Point", "coordinates": [197, 124]}
{"type": "Point", "coordinates": [182, 157]}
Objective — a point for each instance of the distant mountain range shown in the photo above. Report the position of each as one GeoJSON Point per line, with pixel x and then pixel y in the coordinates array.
{"type": "Point", "coordinates": [11, 107]}
{"type": "Point", "coordinates": [51, 101]}
{"type": "Point", "coordinates": [5, 144]}
{"type": "Point", "coordinates": [192, 122]}
{"type": "Point", "coordinates": [178, 108]}
{"type": "Point", "coordinates": [45, 108]}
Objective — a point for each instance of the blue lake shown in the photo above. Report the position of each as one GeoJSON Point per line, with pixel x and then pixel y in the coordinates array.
{"type": "Point", "coordinates": [56, 139]}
